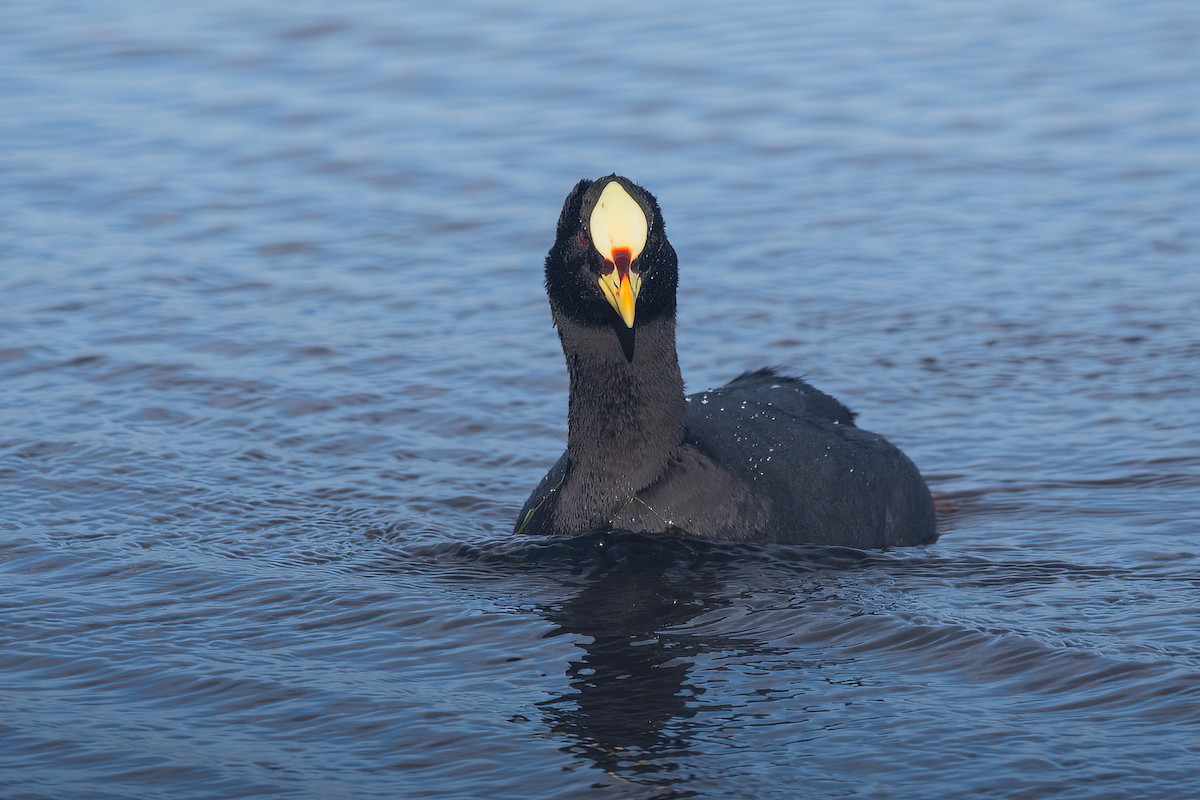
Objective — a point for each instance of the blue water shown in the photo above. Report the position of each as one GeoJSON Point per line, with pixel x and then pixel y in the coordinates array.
{"type": "Point", "coordinates": [277, 372]}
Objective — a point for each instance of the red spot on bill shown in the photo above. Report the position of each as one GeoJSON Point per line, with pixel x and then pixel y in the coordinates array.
{"type": "Point", "coordinates": [622, 257]}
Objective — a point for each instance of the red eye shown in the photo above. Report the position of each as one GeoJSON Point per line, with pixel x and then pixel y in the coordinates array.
{"type": "Point", "coordinates": [583, 238]}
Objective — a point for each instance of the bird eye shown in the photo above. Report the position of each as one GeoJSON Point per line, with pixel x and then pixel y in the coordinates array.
{"type": "Point", "coordinates": [583, 238]}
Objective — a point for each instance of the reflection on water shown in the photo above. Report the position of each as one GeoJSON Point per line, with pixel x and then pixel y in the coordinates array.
{"type": "Point", "coordinates": [629, 691]}
{"type": "Point", "coordinates": [630, 706]}
{"type": "Point", "coordinates": [276, 373]}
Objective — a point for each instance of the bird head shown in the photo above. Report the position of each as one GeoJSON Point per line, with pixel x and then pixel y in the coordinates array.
{"type": "Point", "coordinates": [611, 260]}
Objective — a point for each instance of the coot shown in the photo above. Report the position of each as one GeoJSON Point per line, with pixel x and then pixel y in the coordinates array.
{"type": "Point", "coordinates": [765, 458]}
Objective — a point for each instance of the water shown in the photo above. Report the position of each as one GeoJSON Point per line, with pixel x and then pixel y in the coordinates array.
{"type": "Point", "coordinates": [276, 373]}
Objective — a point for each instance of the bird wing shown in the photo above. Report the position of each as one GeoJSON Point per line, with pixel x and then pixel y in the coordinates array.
{"type": "Point", "coordinates": [783, 392]}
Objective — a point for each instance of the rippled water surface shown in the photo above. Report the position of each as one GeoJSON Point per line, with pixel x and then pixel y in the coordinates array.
{"type": "Point", "coordinates": [276, 373]}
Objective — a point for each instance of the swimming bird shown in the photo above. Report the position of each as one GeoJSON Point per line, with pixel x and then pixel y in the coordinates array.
{"type": "Point", "coordinates": [765, 458]}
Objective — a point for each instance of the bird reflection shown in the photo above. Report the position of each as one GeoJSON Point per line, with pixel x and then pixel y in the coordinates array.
{"type": "Point", "coordinates": [630, 698]}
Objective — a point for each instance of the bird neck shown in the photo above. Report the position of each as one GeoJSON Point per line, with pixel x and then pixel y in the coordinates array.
{"type": "Point", "coordinates": [626, 413]}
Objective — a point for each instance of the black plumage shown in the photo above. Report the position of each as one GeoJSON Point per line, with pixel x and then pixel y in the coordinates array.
{"type": "Point", "coordinates": [765, 458]}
